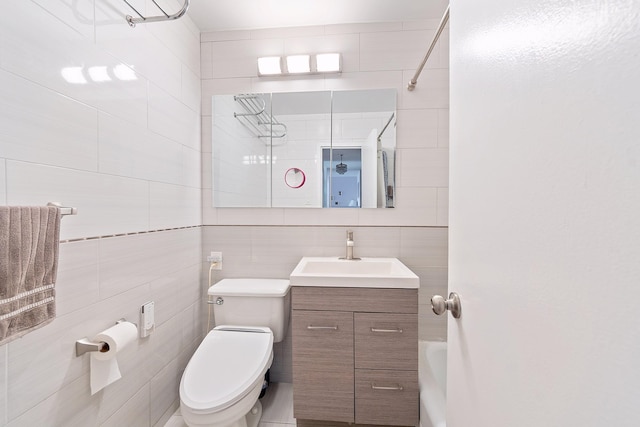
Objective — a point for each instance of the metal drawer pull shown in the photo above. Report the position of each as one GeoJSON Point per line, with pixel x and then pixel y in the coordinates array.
{"type": "Point", "coordinates": [397, 330]}
{"type": "Point", "coordinates": [333, 328]}
{"type": "Point", "coordinates": [380, 387]}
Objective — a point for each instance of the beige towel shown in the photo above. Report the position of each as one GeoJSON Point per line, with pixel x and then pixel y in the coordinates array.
{"type": "Point", "coordinates": [29, 241]}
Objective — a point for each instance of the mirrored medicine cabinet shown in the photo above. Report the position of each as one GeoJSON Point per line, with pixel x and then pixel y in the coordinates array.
{"type": "Point", "coordinates": [326, 149]}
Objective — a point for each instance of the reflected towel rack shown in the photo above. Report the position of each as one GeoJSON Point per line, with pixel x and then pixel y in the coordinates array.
{"type": "Point", "coordinates": [256, 119]}
{"type": "Point", "coordinates": [443, 22]}
{"type": "Point", "coordinates": [64, 210]}
{"type": "Point", "coordinates": [164, 17]}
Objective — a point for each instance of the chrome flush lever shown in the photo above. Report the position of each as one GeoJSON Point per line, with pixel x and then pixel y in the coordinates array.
{"type": "Point", "coordinates": [439, 305]}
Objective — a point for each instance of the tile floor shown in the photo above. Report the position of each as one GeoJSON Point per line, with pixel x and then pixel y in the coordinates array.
{"type": "Point", "coordinates": [277, 408]}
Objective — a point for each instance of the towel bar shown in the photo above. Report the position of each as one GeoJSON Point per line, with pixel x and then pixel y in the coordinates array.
{"type": "Point", "coordinates": [63, 209]}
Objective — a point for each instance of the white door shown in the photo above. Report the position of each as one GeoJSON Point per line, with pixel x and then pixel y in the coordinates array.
{"type": "Point", "coordinates": [545, 213]}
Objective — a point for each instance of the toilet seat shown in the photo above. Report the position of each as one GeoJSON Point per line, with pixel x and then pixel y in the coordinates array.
{"type": "Point", "coordinates": [227, 365]}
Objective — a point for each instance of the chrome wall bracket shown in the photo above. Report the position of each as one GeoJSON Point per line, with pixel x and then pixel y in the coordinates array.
{"type": "Point", "coordinates": [63, 209]}
{"type": "Point", "coordinates": [85, 345]}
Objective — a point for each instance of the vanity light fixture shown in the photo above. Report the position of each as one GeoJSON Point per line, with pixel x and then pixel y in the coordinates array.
{"type": "Point", "coordinates": [297, 64]}
{"type": "Point", "coordinates": [328, 63]}
{"type": "Point", "coordinates": [300, 64]}
{"type": "Point", "coordinates": [269, 66]}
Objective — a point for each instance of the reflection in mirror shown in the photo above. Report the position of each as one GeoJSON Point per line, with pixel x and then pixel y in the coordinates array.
{"type": "Point", "coordinates": [364, 120]}
{"type": "Point", "coordinates": [241, 150]}
{"type": "Point", "coordinates": [308, 119]}
{"type": "Point", "coordinates": [258, 138]}
{"type": "Point", "coordinates": [295, 178]}
{"type": "Point", "coordinates": [342, 178]}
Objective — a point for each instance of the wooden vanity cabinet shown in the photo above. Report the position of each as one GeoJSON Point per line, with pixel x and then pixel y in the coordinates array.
{"type": "Point", "coordinates": [355, 355]}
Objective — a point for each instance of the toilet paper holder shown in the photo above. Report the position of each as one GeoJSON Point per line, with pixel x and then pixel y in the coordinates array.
{"type": "Point", "coordinates": [85, 345]}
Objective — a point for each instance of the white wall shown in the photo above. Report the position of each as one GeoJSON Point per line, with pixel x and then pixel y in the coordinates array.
{"type": "Point", "coordinates": [126, 153]}
{"type": "Point", "coordinates": [269, 242]}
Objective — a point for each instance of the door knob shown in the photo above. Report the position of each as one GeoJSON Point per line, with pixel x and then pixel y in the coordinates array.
{"type": "Point", "coordinates": [439, 305]}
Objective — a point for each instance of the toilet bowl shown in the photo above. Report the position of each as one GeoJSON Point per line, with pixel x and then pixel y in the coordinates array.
{"type": "Point", "coordinates": [221, 384]}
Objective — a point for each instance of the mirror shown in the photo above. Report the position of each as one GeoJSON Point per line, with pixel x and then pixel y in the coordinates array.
{"type": "Point", "coordinates": [304, 149]}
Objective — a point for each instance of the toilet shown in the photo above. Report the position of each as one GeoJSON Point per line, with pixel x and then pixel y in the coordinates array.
{"type": "Point", "coordinates": [221, 384]}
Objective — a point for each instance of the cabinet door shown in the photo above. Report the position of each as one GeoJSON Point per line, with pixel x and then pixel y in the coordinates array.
{"type": "Point", "coordinates": [323, 371]}
{"type": "Point", "coordinates": [386, 341]}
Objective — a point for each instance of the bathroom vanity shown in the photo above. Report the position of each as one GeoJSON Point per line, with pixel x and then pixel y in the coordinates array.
{"type": "Point", "coordinates": [355, 347]}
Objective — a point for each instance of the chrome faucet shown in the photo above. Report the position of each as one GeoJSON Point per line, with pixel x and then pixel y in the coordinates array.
{"type": "Point", "coordinates": [350, 245]}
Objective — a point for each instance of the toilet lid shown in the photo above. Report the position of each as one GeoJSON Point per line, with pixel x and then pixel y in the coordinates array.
{"type": "Point", "coordinates": [224, 367]}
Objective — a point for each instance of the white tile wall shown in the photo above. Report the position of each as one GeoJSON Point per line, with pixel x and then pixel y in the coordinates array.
{"type": "Point", "coordinates": [443, 207]}
{"type": "Point", "coordinates": [163, 395]}
{"type": "Point", "coordinates": [426, 167]}
{"type": "Point", "coordinates": [443, 128]}
{"type": "Point", "coordinates": [417, 128]}
{"type": "Point", "coordinates": [56, 130]}
{"type": "Point", "coordinates": [392, 50]}
{"type": "Point", "coordinates": [80, 17]}
{"type": "Point", "coordinates": [170, 117]}
{"type": "Point", "coordinates": [124, 149]}
{"type": "Point", "coordinates": [128, 150]}
{"type": "Point", "coordinates": [173, 206]}
{"type": "Point", "coordinates": [190, 94]}
{"type": "Point", "coordinates": [3, 182]}
{"type": "Point", "coordinates": [238, 58]}
{"type": "Point", "coordinates": [107, 204]}
{"type": "Point", "coordinates": [44, 56]}
{"type": "Point", "coordinates": [135, 412]}
{"type": "Point", "coordinates": [77, 276]}
{"type": "Point", "coordinates": [3, 384]}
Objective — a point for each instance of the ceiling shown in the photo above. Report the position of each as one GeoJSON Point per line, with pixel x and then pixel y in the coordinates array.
{"type": "Point", "coordinates": [217, 15]}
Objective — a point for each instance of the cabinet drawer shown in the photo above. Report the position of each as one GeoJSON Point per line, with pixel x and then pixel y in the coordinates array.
{"type": "Point", "coordinates": [372, 300]}
{"type": "Point", "coordinates": [323, 371]}
{"type": "Point", "coordinates": [387, 397]}
{"type": "Point", "coordinates": [386, 341]}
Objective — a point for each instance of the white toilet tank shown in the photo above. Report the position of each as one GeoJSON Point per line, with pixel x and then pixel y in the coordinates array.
{"type": "Point", "coordinates": [252, 302]}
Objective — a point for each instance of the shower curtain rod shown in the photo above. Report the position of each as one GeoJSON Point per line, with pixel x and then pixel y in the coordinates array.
{"type": "Point", "coordinates": [386, 126]}
{"type": "Point", "coordinates": [443, 22]}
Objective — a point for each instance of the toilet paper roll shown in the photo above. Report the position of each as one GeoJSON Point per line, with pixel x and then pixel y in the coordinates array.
{"type": "Point", "coordinates": [104, 365]}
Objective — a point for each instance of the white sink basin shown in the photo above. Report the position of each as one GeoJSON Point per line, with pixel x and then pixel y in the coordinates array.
{"type": "Point", "coordinates": [363, 273]}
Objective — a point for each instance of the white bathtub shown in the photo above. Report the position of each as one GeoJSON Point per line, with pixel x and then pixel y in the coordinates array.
{"type": "Point", "coordinates": [432, 371]}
